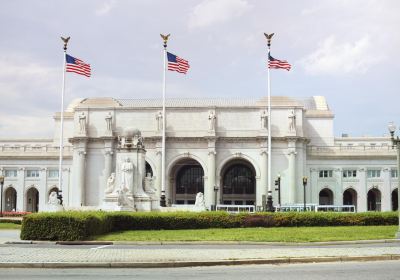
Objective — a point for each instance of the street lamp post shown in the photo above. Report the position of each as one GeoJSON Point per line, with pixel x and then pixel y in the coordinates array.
{"type": "Point", "coordinates": [1, 197]}
{"type": "Point", "coordinates": [278, 188]}
{"type": "Point", "coordinates": [304, 192]}
{"type": "Point", "coordinates": [215, 197]}
{"type": "Point", "coordinates": [396, 142]}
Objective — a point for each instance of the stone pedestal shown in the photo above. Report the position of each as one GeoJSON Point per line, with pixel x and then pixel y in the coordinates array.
{"type": "Point", "coordinates": [111, 203]}
{"type": "Point", "coordinates": [127, 192]}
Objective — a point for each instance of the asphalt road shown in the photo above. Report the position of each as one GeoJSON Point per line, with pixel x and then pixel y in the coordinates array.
{"type": "Point", "coordinates": [388, 270]}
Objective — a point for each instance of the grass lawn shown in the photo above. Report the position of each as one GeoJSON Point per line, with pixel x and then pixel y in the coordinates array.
{"type": "Point", "coordinates": [288, 234]}
{"type": "Point", "coordinates": [9, 226]}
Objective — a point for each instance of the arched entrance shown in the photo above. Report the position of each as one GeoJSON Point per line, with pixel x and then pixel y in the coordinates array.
{"type": "Point", "coordinates": [326, 197]}
{"type": "Point", "coordinates": [187, 181]}
{"type": "Point", "coordinates": [238, 183]}
{"type": "Point", "coordinates": [10, 199]}
{"type": "Point", "coordinates": [32, 200]}
{"type": "Point", "coordinates": [149, 170]}
{"type": "Point", "coordinates": [350, 197]}
{"type": "Point", "coordinates": [374, 200]}
{"type": "Point", "coordinates": [395, 200]}
{"type": "Point", "coordinates": [53, 189]}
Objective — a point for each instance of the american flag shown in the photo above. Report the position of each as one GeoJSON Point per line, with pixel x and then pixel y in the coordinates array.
{"type": "Point", "coordinates": [274, 63]}
{"type": "Point", "coordinates": [77, 66]}
{"type": "Point", "coordinates": [175, 63]}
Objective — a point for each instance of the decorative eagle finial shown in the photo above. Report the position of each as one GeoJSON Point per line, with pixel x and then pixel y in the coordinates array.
{"type": "Point", "coordinates": [269, 37]}
{"type": "Point", "coordinates": [65, 40]}
{"type": "Point", "coordinates": [165, 39]}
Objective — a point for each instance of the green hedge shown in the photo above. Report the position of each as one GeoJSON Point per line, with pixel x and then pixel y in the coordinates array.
{"type": "Point", "coordinates": [11, 221]}
{"type": "Point", "coordinates": [82, 225]}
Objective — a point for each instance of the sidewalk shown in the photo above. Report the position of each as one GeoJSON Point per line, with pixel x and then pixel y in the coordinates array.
{"type": "Point", "coordinates": [186, 255]}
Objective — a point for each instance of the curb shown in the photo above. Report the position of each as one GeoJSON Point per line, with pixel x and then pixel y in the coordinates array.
{"type": "Point", "coordinates": [198, 263]}
{"type": "Point", "coordinates": [311, 244]}
{"type": "Point", "coordinates": [304, 244]}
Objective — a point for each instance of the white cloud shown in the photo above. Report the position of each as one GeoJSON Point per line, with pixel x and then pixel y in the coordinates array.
{"type": "Point", "coordinates": [210, 12]}
{"type": "Point", "coordinates": [105, 8]}
{"type": "Point", "coordinates": [334, 57]}
{"type": "Point", "coordinates": [18, 125]}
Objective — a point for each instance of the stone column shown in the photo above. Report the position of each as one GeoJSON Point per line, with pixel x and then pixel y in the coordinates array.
{"type": "Point", "coordinates": [209, 193]}
{"type": "Point", "coordinates": [386, 199]}
{"type": "Point", "coordinates": [362, 191]}
{"type": "Point", "coordinates": [313, 186]}
{"type": "Point", "coordinates": [157, 172]}
{"type": "Point", "coordinates": [42, 188]}
{"type": "Point", "coordinates": [79, 162]}
{"type": "Point", "coordinates": [20, 188]}
{"type": "Point", "coordinates": [262, 188]}
{"type": "Point", "coordinates": [291, 199]}
{"type": "Point", "coordinates": [338, 190]}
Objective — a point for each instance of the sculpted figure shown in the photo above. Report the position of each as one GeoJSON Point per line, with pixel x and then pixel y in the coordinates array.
{"type": "Point", "coordinates": [124, 200]}
{"type": "Point", "coordinates": [82, 123]}
{"type": "Point", "coordinates": [159, 118]}
{"type": "Point", "coordinates": [211, 120]}
{"type": "Point", "coordinates": [127, 175]}
{"type": "Point", "coordinates": [110, 184]}
{"type": "Point", "coordinates": [200, 200]}
{"type": "Point", "coordinates": [264, 120]}
{"type": "Point", "coordinates": [292, 121]}
{"type": "Point", "coordinates": [108, 119]}
{"type": "Point", "coordinates": [53, 200]}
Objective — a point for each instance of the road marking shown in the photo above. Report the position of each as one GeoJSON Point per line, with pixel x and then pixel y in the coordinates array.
{"type": "Point", "coordinates": [101, 247]}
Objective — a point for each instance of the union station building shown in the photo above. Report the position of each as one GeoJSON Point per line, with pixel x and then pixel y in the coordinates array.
{"type": "Point", "coordinates": [223, 156]}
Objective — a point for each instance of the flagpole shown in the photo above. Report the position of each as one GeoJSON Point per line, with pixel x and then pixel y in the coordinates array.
{"type": "Point", "coordinates": [270, 207]}
{"type": "Point", "coordinates": [59, 194]}
{"type": "Point", "coordinates": [162, 198]}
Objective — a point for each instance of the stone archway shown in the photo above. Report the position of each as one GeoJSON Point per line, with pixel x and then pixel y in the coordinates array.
{"type": "Point", "coordinates": [374, 200]}
{"type": "Point", "coordinates": [238, 181]}
{"type": "Point", "coordinates": [32, 200]}
{"type": "Point", "coordinates": [10, 199]}
{"type": "Point", "coordinates": [325, 197]}
{"type": "Point", "coordinates": [350, 197]}
{"type": "Point", "coordinates": [395, 200]}
{"type": "Point", "coordinates": [149, 170]}
{"type": "Point", "coordinates": [187, 179]}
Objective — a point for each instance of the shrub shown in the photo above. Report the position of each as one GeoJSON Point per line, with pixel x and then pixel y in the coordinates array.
{"type": "Point", "coordinates": [82, 225]}
{"type": "Point", "coordinates": [10, 221]}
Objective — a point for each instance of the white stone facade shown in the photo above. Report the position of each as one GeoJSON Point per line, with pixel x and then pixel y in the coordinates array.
{"type": "Point", "coordinates": [216, 146]}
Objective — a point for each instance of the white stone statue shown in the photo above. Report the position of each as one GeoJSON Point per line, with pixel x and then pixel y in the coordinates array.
{"type": "Point", "coordinates": [292, 121]}
{"type": "Point", "coordinates": [264, 120]}
{"type": "Point", "coordinates": [110, 184]}
{"type": "Point", "coordinates": [211, 120]}
{"type": "Point", "coordinates": [159, 118]}
{"type": "Point", "coordinates": [82, 123]}
{"type": "Point", "coordinates": [53, 200]}
{"type": "Point", "coordinates": [124, 200]}
{"type": "Point", "coordinates": [148, 184]}
{"type": "Point", "coordinates": [200, 202]}
{"type": "Point", "coordinates": [108, 119]}
{"type": "Point", "coordinates": [126, 175]}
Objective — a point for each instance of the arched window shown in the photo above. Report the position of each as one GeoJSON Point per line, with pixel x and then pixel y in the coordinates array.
{"type": "Point", "coordinates": [374, 200]}
{"type": "Point", "coordinates": [32, 200]}
{"type": "Point", "coordinates": [326, 197]}
{"type": "Point", "coordinates": [350, 197]}
{"type": "Point", "coordinates": [239, 184]}
{"type": "Point", "coordinates": [189, 180]}
{"type": "Point", "coordinates": [10, 199]}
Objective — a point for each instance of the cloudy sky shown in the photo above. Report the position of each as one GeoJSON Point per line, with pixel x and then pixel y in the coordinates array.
{"type": "Point", "coordinates": [347, 51]}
